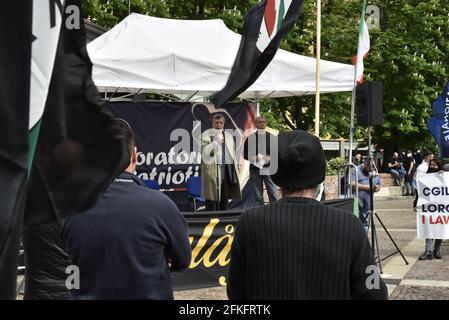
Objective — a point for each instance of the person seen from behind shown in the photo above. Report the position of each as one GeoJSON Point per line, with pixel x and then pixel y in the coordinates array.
{"type": "Point", "coordinates": [297, 247]}
{"type": "Point", "coordinates": [126, 245]}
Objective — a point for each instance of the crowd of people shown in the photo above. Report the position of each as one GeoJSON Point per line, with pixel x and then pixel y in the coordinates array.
{"type": "Point", "coordinates": [402, 166]}
{"type": "Point", "coordinates": [406, 169]}
{"type": "Point", "coordinates": [129, 242]}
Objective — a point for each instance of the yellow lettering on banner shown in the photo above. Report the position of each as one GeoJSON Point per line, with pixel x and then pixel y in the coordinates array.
{"type": "Point", "coordinates": [229, 228]}
{"type": "Point", "coordinates": [206, 235]}
{"type": "Point", "coordinates": [222, 257]}
{"type": "Point", "coordinates": [222, 281]}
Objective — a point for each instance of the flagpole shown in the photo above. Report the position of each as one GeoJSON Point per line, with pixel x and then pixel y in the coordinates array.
{"type": "Point", "coordinates": [318, 68]}
{"type": "Point", "coordinates": [352, 129]}
{"type": "Point", "coordinates": [354, 90]}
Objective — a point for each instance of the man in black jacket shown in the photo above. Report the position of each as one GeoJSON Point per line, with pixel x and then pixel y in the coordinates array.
{"type": "Point", "coordinates": [126, 246]}
{"type": "Point", "coordinates": [257, 152]}
{"type": "Point", "coordinates": [297, 248]}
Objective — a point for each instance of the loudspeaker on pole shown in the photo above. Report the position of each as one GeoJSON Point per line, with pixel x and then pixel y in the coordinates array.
{"type": "Point", "coordinates": [369, 103]}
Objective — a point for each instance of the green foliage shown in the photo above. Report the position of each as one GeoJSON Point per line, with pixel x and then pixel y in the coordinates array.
{"type": "Point", "coordinates": [270, 109]}
{"type": "Point", "coordinates": [333, 166]}
{"type": "Point", "coordinates": [108, 13]}
{"type": "Point", "coordinates": [409, 55]}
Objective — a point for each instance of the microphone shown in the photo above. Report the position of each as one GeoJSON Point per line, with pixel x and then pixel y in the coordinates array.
{"type": "Point", "coordinates": [215, 133]}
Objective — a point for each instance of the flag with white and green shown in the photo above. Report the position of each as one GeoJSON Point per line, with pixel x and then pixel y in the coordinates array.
{"type": "Point", "coordinates": [46, 28]}
{"type": "Point", "coordinates": [264, 27]}
{"type": "Point", "coordinates": [364, 46]}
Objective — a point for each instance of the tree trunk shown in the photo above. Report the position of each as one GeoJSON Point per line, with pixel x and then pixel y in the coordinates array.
{"type": "Point", "coordinates": [288, 122]}
{"type": "Point", "coordinates": [297, 112]}
{"type": "Point", "coordinates": [201, 5]}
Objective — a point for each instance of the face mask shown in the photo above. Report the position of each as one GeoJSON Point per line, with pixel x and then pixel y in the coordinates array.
{"type": "Point", "coordinates": [432, 169]}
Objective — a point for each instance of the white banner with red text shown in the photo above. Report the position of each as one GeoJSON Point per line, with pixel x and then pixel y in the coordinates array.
{"type": "Point", "coordinates": [433, 206]}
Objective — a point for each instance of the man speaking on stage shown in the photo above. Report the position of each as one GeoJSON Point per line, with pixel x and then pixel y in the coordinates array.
{"type": "Point", "coordinates": [219, 168]}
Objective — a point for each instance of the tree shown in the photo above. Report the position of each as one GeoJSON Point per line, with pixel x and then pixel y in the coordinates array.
{"type": "Point", "coordinates": [409, 55]}
{"type": "Point", "coordinates": [108, 13]}
{"type": "Point", "coordinates": [339, 43]}
{"type": "Point", "coordinates": [230, 11]}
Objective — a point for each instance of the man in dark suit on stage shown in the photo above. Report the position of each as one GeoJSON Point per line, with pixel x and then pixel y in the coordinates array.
{"type": "Point", "coordinates": [257, 152]}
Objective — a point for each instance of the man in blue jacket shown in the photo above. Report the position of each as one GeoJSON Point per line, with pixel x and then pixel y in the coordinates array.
{"type": "Point", "coordinates": [126, 246]}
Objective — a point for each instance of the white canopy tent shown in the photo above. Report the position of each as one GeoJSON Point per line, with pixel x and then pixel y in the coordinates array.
{"type": "Point", "coordinates": [190, 58]}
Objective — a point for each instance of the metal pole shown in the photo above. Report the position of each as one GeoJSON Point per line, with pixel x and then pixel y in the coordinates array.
{"type": "Point", "coordinates": [391, 238]}
{"type": "Point", "coordinates": [318, 60]}
{"type": "Point", "coordinates": [354, 93]}
{"type": "Point", "coordinates": [352, 128]}
{"type": "Point", "coordinates": [129, 6]}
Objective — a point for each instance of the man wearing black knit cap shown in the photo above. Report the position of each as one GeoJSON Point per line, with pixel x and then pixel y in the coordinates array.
{"type": "Point", "coordinates": [298, 248]}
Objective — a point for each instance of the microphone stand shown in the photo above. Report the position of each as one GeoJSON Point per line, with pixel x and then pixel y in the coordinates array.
{"type": "Point", "coordinates": [372, 213]}
{"type": "Point", "coordinates": [217, 169]}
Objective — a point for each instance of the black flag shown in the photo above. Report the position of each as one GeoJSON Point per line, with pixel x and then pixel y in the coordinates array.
{"type": "Point", "coordinates": [264, 27]}
{"type": "Point", "coordinates": [15, 66]}
{"type": "Point", "coordinates": [79, 151]}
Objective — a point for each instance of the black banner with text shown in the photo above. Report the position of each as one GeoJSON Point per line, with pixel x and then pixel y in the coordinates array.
{"type": "Point", "coordinates": [167, 138]}
{"type": "Point", "coordinates": [211, 236]}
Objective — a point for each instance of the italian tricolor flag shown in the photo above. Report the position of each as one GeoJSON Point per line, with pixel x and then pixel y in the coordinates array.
{"type": "Point", "coordinates": [364, 44]}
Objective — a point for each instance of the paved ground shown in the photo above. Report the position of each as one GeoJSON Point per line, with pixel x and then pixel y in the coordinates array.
{"type": "Point", "coordinates": [417, 281]}
{"type": "Point", "coordinates": [421, 280]}
{"type": "Point", "coordinates": [399, 220]}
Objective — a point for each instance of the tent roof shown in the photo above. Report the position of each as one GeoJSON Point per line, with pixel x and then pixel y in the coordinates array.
{"type": "Point", "coordinates": [187, 57]}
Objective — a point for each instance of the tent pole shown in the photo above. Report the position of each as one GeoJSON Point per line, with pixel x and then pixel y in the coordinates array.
{"type": "Point", "coordinates": [318, 57]}
{"type": "Point", "coordinates": [352, 128]}
{"type": "Point", "coordinates": [190, 97]}
{"type": "Point", "coordinates": [257, 107]}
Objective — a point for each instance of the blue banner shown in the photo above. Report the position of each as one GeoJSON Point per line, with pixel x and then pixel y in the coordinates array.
{"type": "Point", "coordinates": [438, 124]}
